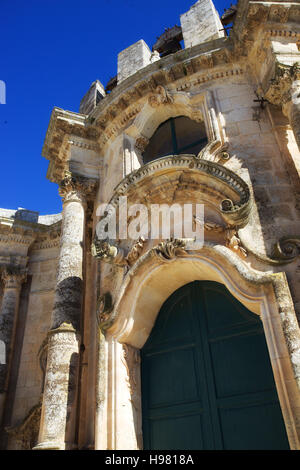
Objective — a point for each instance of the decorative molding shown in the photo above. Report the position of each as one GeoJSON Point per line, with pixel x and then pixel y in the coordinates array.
{"type": "Point", "coordinates": [285, 33]}
{"type": "Point", "coordinates": [49, 239]}
{"type": "Point", "coordinates": [104, 310]}
{"type": "Point", "coordinates": [16, 238]}
{"type": "Point", "coordinates": [83, 144]}
{"type": "Point", "coordinates": [11, 231]}
{"type": "Point", "coordinates": [208, 77]}
{"type": "Point", "coordinates": [47, 243]}
{"type": "Point", "coordinates": [239, 211]}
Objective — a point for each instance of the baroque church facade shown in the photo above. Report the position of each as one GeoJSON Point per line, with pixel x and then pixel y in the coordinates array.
{"type": "Point", "coordinates": [146, 344]}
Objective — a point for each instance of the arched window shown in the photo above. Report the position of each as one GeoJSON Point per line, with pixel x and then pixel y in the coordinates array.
{"type": "Point", "coordinates": [176, 136]}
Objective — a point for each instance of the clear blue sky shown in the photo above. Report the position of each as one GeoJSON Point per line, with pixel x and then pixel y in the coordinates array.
{"type": "Point", "coordinates": [51, 51]}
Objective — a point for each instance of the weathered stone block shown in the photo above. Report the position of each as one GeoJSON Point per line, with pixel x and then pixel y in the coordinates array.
{"type": "Point", "coordinates": [28, 216]}
{"type": "Point", "coordinates": [201, 24]}
{"type": "Point", "coordinates": [90, 100]}
{"type": "Point", "coordinates": [132, 59]}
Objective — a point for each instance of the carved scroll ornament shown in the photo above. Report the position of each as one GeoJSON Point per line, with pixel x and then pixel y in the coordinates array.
{"type": "Point", "coordinates": [287, 248]}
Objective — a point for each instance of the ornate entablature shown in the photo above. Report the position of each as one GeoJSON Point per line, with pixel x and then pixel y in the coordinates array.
{"type": "Point", "coordinates": [251, 16]}
{"type": "Point", "coordinates": [21, 236]}
{"type": "Point", "coordinates": [66, 129]}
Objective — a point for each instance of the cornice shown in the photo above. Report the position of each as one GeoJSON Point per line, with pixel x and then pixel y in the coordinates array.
{"type": "Point", "coordinates": [254, 17]}
{"type": "Point", "coordinates": [45, 244]}
{"type": "Point", "coordinates": [283, 32]}
{"type": "Point", "coordinates": [63, 130]}
{"type": "Point", "coordinates": [167, 69]}
{"type": "Point", "coordinates": [26, 233]}
{"type": "Point", "coordinates": [18, 234]}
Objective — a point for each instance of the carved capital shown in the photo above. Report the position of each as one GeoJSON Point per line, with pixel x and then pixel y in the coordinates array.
{"type": "Point", "coordinates": [279, 91]}
{"type": "Point", "coordinates": [13, 277]}
{"type": "Point", "coordinates": [76, 188]}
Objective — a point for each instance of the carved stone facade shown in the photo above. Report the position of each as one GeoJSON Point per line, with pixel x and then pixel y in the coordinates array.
{"type": "Point", "coordinates": [76, 307]}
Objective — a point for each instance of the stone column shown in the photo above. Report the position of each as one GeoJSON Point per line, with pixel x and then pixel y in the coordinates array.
{"type": "Point", "coordinates": [12, 279]}
{"type": "Point", "coordinates": [57, 429]}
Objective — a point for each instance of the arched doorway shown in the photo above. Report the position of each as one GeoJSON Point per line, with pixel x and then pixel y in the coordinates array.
{"type": "Point", "coordinates": [207, 381]}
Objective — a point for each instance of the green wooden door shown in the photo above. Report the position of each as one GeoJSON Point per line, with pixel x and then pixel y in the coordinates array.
{"type": "Point", "coordinates": [207, 381]}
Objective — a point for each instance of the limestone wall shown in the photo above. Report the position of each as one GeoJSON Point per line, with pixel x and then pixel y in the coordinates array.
{"type": "Point", "coordinates": [42, 269]}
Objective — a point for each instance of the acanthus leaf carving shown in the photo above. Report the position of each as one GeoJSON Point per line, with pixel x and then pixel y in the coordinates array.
{"type": "Point", "coordinates": [170, 249]}
{"type": "Point", "coordinates": [76, 186]}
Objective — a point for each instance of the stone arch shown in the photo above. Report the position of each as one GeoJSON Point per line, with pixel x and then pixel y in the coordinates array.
{"type": "Point", "coordinates": [163, 105]}
{"type": "Point", "coordinates": [154, 278]}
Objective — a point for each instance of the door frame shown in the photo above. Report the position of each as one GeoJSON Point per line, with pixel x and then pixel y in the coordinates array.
{"type": "Point", "coordinates": [133, 316]}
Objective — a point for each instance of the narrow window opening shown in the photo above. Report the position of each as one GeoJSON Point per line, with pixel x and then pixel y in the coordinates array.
{"type": "Point", "coordinates": [174, 137]}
